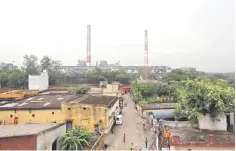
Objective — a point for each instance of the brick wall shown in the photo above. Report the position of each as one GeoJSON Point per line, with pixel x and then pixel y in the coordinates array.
{"type": "Point", "coordinates": [18, 143]}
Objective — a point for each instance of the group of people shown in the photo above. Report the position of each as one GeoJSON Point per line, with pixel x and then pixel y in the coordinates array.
{"type": "Point", "coordinates": [132, 144]}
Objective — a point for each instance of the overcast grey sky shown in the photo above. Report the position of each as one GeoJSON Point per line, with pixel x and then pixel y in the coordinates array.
{"type": "Point", "coordinates": [182, 33]}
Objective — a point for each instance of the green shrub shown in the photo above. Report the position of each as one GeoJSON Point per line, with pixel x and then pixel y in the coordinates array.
{"type": "Point", "coordinates": [143, 102]}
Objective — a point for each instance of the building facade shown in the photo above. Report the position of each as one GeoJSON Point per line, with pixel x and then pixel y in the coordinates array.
{"type": "Point", "coordinates": [96, 113]}
{"type": "Point", "coordinates": [31, 136]}
{"type": "Point", "coordinates": [89, 111]}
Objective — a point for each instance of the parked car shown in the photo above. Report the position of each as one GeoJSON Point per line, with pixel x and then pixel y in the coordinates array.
{"type": "Point", "coordinates": [119, 120]}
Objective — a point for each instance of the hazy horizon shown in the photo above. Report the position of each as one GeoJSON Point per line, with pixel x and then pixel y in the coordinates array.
{"type": "Point", "coordinates": [183, 33]}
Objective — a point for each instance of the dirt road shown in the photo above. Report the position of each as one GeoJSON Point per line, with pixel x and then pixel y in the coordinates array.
{"type": "Point", "coordinates": [132, 127]}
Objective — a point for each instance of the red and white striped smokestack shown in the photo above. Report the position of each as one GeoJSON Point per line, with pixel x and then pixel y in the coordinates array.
{"type": "Point", "coordinates": [146, 49]}
{"type": "Point", "coordinates": [89, 45]}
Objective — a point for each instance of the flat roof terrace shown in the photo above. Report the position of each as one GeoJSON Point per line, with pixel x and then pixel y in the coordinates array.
{"type": "Point", "coordinates": [26, 129]}
{"type": "Point", "coordinates": [39, 102]}
{"type": "Point", "coordinates": [53, 101]}
{"type": "Point", "coordinates": [195, 137]}
{"type": "Point", "coordinates": [96, 100]}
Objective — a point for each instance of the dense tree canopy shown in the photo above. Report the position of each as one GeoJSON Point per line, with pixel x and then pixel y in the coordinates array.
{"type": "Point", "coordinates": [53, 67]}
{"type": "Point", "coordinates": [179, 75]}
{"type": "Point", "coordinates": [3, 79]}
{"type": "Point", "coordinates": [30, 65]}
{"type": "Point", "coordinates": [16, 79]}
{"type": "Point", "coordinates": [79, 90]}
{"type": "Point", "coordinates": [19, 78]}
{"type": "Point", "coordinates": [108, 75]}
{"type": "Point", "coordinates": [201, 96]}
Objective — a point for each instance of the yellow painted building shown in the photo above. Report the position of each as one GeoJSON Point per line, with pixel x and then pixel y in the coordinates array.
{"type": "Point", "coordinates": [86, 110]}
{"type": "Point", "coordinates": [91, 111]}
{"type": "Point", "coordinates": [109, 90]}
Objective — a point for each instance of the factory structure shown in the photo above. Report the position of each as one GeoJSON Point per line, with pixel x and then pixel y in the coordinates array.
{"type": "Point", "coordinates": [86, 64]}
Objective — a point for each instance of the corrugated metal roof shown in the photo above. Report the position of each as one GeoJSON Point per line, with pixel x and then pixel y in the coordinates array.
{"type": "Point", "coordinates": [25, 129]}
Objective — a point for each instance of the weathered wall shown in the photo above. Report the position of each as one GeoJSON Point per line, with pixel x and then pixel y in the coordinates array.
{"type": "Point", "coordinates": [46, 139]}
{"type": "Point", "coordinates": [180, 124]}
{"type": "Point", "coordinates": [25, 116]}
{"type": "Point", "coordinates": [85, 115]}
{"type": "Point", "coordinates": [18, 143]}
{"type": "Point", "coordinates": [232, 121]}
{"type": "Point", "coordinates": [109, 94]}
{"type": "Point", "coordinates": [95, 90]}
{"type": "Point", "coordinates": [99, 143]}
{"type": "Point", "coordinates": [207, 123]}
{"type": "Point", "coordinates": [111, 88]}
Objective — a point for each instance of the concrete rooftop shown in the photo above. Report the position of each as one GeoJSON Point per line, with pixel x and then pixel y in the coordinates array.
{"type": "Point", "coordinates": [26, 129]}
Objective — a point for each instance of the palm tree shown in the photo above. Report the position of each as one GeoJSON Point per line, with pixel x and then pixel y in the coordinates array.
{"type": "Point", "coordinates": [75, 139]}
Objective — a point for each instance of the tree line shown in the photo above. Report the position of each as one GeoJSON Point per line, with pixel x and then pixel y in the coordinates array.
{"type": "Point", "coordinates": [33, 66]}
{"type": "Point", "coordinates": [109, 75]}
{"type": "Point", "coordinates": [194, 93]}
{"type": "Point", "coordinates": [19, 78]}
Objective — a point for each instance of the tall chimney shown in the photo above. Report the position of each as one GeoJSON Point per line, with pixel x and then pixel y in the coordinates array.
{"type": "Point", "coordinates": [146, 49]}
{"type": "Point", "coordinates": [146, 54]}
{"type": "Point", "coordinates": [89, 45]}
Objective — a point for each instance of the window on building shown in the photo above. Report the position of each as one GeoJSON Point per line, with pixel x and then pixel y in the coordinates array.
{"type": "Point", "coordinates": [33, 115]}
{"type": "Point", "coordinates": [84, 108]}
{"type": "Point", "coordinates": [52, 112]}
{"type": "Point", "coordinates": [68, 109]}
{"type": "Point", "coordinates": [11, 116]}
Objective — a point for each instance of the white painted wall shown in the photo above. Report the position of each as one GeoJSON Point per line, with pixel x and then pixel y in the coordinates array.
{"type": "Point", "coordinates": [45, 140]}
{"type": "Point", "coordinates": [38, 82]}
{"type": "Point", "coordinates": [231, 120]}
{"type": "Point", "coordinates": [207, 123]}
{"type": "Point", "coordinates": [112, 109]}
{"type": "Point", "coordinates": [180, 124]}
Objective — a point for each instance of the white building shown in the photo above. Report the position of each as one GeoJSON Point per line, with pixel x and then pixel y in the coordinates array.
{"type": "Point", "coordinates": [38, 82]}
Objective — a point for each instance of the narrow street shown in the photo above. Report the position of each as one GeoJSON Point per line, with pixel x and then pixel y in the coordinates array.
{"type": "Point", "coordinates": [132, 127]}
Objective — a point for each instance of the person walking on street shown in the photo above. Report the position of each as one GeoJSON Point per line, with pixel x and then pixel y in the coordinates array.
{"type": "Point", "coordinates": [131, 146]}
{"type": "Point", "coordinates": [146, 142]}
{"type": "Point", "coordinates": [124, 138]}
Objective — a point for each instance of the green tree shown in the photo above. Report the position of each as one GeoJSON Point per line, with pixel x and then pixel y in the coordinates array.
{"type": "Point", "coordinates": [53, 68]}
{"type": "Point", "coordinates": [231, 82]}
{"type": "Point", "coordinates": [108, 75]}
{"type": "Point", "coordinates": [123, 78]}
{"type": "Point", "coordinates": [79, 90]}
{"type": "Point", "coordinates": [142, 90]}
{"type": "Point", "coordinates": [3, 79]}
{"type": "Point", "coordinates": [162, 89]}
{"type": "Point", "coordinates": [46, 63]}
{"type": "Point", "coordinates": [75, 139]}
{"type": "Point", "coordinates": [201, 96]}
{"type": "Point", "coordinates": [16, 79]}
{"type": "Point", "coordinates": [30, 65]}
{"type": "Point", "coordinates": [180, 75]}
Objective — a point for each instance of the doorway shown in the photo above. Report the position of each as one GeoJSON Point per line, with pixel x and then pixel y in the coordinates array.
{"type": "Point", "coordinates": [68, 124]}
{"type": "Point", "coordinates": [54, 145]}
